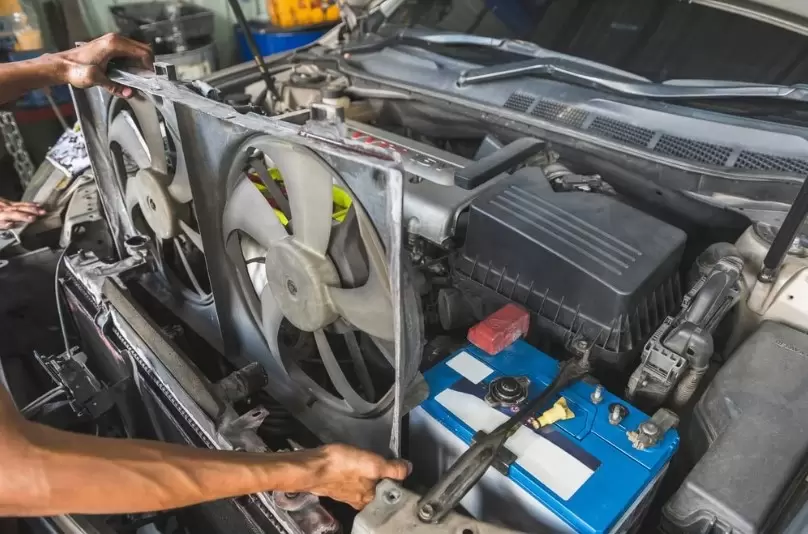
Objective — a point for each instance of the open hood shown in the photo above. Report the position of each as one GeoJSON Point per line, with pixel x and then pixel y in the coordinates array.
{"type": "Point", "coordinates": [789, 14]}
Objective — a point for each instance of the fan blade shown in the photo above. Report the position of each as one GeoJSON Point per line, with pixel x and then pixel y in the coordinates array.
{"type": "Point", "coordinates": [309, 183]}
{"type": "Point", "coordinates": [131, 196]}
{"type": "Point", "coordinates": [274, 189]}
{"type": "Point", "coordinates": [180, 186]}
{"type": "Point", "coordinates": [192, 234]}
{"type": "Point", "coordinates": [125, 132]}
{"type": "Point", "coordinates": [271, 318]}
{"type": "Point", "coordinates": [368, 307]}
{"type": "Point", "coordinates": [149, 121]}
{"type": "Point", "coordinates": [338, 378]}
{"type": "Point", "coordinates": [247, 210]}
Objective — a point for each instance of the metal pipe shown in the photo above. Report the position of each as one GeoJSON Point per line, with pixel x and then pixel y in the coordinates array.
{"type": "Point", "coordinates": [259, 59]}
{"type": "Point", "coordinates": [786, 235]}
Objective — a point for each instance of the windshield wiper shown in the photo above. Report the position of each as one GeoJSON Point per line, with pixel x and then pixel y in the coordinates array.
{"type": "Point", "coordinates": [669, 90]}
{"type": "Point", "coordinates": [563, 67]}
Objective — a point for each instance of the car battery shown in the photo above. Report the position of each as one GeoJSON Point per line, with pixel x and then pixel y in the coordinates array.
{"type": "Point", "coordinates": [576, 475]}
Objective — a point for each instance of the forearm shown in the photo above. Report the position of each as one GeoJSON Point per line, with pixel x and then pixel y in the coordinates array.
{"type": "Point", "coordinates": [19, 77]}
{"type": "Point", "coordinates": [62, 472]}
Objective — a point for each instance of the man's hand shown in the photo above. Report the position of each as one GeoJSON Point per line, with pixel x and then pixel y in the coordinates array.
{"type": "Point", "coordinates": [12, 213]}
{"type": "Point", "coordinates": [350, 475]}
{"type": "Point", "coordinates": [85, 66]}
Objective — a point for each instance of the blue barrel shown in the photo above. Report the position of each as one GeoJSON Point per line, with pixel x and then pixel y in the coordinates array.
{"type": "Point", "coordinates": [271, 40]}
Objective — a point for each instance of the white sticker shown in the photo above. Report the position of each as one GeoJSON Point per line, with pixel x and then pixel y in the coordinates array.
{"type": "Point", "coordinates": [470, 367]}
{"type": "Point", "coordinates": [561, 472]}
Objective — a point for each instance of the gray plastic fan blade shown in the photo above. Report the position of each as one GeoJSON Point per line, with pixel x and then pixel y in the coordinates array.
{"type": "Point", "coordinates": [131, 196]}
{"type": "Point", "coordinates": [149, 121]}
{"type": "Point", "coordinates": [192, 235]}
{"type": "Point", "coordinates": [271, 318]}
{"type": "Point", "coordinates": [125, 132]}
{"type": "Point", "coordinates": [368, 307]}
{"type": "Point", "coordinates": [247, 210]}
{"type": "Point", "coordinates": [309, 183]}
{"type": "Point", "coordinates": [338, 378]}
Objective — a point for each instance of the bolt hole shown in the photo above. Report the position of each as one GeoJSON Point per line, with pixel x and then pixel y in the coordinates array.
{"type": "Point", "coordinates": [136, 241]}
{"type": "Point", "coordinates": [291, 287]}
{"type": "Point", "coordinates": [151, 203]}
{"type": "Point", "coordinates": [468, 531]}
{"type": "Point", "coordinates": [791, 297]}
{"type": "Point", "coordinates": [392, 497]}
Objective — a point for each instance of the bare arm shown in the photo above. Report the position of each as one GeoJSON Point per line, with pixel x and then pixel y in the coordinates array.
{"type": "Point", "coordinates": [81, 67]}
{"type": "Point", "coordinates": [44, 471]}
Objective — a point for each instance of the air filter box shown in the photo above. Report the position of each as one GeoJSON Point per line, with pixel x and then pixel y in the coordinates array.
{"type": "Point", "coordinates": [579, 475]}
{"type": "Point", "coordinates": [583, 263]}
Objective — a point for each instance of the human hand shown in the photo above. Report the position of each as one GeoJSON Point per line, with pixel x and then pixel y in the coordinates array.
{"type": "Point", "coordinates": [350, 475]}
{"type": "Point", "coordinates": [12, 213]}
{"type": "Point", "coordinates": [86, 65]}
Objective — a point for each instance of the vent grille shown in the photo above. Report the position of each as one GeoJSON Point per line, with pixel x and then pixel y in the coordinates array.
{"type": "Point", "coordinates": [519, 102]}
{"type": "Point", "coordinates": [766, 162]}
{"type": "Point", "coordinates": [669, 145]}
{"type": "Point", "coordinates": [691, 150]}
{"type": "Point", "coordinates": [557, 112]}
{"type": "Point", "coordinates": [621, 131]}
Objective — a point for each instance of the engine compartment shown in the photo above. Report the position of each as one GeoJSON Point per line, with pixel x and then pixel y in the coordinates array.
{"type": "Point", "coordinates": [671, 309]}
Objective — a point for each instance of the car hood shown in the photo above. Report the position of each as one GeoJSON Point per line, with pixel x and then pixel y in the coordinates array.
{"type": "Point", "coordinates": [789, 14]}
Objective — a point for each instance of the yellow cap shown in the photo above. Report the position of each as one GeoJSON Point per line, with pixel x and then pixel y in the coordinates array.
{"type": "Point", "coordinates": [559, 412]}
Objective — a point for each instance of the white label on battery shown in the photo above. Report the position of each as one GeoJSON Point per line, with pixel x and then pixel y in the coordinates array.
{"type": "Point", "coordinates": [470, 367]}
{"type": "Point", "coordinates": [551, 465]}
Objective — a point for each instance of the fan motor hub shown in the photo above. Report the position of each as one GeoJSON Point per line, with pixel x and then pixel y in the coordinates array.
{"type": "Point", "coordinates": [299, 279]}
{"type": "Point", "coordinates": [156, 204]}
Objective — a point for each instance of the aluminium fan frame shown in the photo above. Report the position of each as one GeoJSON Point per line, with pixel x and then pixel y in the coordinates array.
{"type": "Point", "coordinates": [210, 133]}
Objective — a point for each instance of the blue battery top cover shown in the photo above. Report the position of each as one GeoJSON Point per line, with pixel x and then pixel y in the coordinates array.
{"type": "Point", "coordinates": [584, 469]}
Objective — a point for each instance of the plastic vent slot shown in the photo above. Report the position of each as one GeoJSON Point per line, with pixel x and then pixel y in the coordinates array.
{"type": "Point", "coordinates": [519, 102]}
{"type": "Point", "coordinates": [691, 150]}
{"type": "Point", "coordinates": [621, 131]}
{"type": "Point", "coordinates": [557, 112]}
{"type": "Point", "coordinates": [765, 162]}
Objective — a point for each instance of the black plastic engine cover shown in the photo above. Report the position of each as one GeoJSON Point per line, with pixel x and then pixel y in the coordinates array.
{"type": "Point", "coordinates": [584, 263]}
{"type": "Point", "coordinates": [752, 418]}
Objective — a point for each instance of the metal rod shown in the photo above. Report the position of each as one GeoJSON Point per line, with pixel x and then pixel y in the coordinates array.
{"type": "Point", "coordinates": [259, 59]}
{"type": "Point", "coordinates": [786, 235]}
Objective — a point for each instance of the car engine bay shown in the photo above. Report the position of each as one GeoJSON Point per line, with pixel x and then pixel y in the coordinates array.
{"type": "Point", "coordinates": [555, 345]}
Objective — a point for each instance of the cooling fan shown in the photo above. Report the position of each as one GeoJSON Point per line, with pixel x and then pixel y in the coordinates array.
{"type": "Point", "coordinates": [307, 271]}
{"type": "Point", "coordinates": [148, 163]}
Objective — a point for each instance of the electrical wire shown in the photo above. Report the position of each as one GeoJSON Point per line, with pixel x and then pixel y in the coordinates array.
{"type": "Point", "coordinates": [41, 401]}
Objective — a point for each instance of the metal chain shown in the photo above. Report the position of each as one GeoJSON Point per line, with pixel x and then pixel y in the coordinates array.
{"type": "Point", "coordinates": [16, 147]}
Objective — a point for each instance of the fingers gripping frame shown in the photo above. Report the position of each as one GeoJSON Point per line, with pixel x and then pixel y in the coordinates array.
{"type": "Point", "coordinates": [211, 134]}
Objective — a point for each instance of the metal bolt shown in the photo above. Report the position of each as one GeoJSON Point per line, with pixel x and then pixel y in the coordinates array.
{"type": "Point", "coordinates": [582, 344]}
{"type": "Point", "coordinates": [649, 429]}
{"type": "Point", "coordinates": [426, 512]}
{"type": "Point", "coordinates": [597, 396]}
{"type": "Point", "coordinates": [617, 412]}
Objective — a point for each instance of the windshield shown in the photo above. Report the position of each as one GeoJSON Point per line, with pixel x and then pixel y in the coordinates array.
{"type": "Point", "coordinates": [657, 39]}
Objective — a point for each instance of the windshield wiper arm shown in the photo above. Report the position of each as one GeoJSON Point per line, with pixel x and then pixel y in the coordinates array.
{"type": "Point", "coordinates": [671, 90]}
